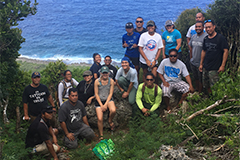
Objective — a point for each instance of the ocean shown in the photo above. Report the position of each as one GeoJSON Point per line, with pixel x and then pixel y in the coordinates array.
{"type": "Point", "coordinates": [72, 30]}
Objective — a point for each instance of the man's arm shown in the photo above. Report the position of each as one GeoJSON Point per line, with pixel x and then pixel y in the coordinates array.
{"type": "Point", "coordinates": [188, 79]}
{"type": "Point", "coordinates": [51, 149]}
{"type": "Point", "coordinates": [70, 136]}
{"type": "Point", "coordinates": [157, 56]}
{"type": "Point", "coordinates": [50, 100]}
{"type": "Point", "coordinates": [225, 55]}
{"type": "Point", "coordinates": [121, 89]}
{"type": "Point", "coordinates": [202, 59]}
{"type": "Point", "coordinates": [165, 83]}
{"type": "Point", "coordinates": [25, 109]}
{"type": "Point", "coordinates": [163, 51]}
{"type": "Point", "coordinates": [85, 120]}
{"type": "Point", "coordinates": [158, 100]}
{"type": "Point", "coordinates": [188, 40]}
{"type": "Point", "coordinates": [60, 90]}
{"type": "Point", "coordinates": [125, 94]}
{"type": "Point", "coordinates": [144, 56]}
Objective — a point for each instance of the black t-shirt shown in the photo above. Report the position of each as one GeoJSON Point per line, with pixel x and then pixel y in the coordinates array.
{"type": "Point", "coordinates": [214, 48]}
{"type": "Point", "coordinates": [95, 68]}
{"type": "Point", "coordinates": [35, 98]}
{"type": "Point", "coordinates": [112, 70]}
{"type": "Point", "coordinates": [85, 91]}
{"type": "Point", "coordinates": [72, 115]}
{"type": "Point", "coordinates": [144, 30]}
{"type": "Point", "coordinates": [37, 132]}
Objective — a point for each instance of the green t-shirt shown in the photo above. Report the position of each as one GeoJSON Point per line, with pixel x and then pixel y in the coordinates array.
{"type": "Point", "coordinates": [149, 97]}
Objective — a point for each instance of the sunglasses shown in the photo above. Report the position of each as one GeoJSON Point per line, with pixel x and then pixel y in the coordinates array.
{"type": "Point", "coordinates": [172, 55]}
{"type": "Point", "coordinates": [139, 21]}
{"type": "Point", "coordinates": [149, 79]}
{"type": "Point", "coordinates": [207, 21]}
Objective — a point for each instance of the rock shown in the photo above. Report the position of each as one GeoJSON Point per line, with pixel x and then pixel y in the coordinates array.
{"type": "Point", "coordinates": [176, 96]}
{"type": "Point", "coordinates": [123, 112]}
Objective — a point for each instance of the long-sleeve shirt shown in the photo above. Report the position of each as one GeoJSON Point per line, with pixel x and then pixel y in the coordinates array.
{"type": "Point", "coordinates": [148, 97]}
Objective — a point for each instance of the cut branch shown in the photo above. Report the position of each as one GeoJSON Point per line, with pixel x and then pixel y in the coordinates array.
{"type": "Point", "coordinates": [217, 103]}
{"type": "Point", "coordinates": [220, 115]}
{"type": "Point", "coordinates": [224, 109]}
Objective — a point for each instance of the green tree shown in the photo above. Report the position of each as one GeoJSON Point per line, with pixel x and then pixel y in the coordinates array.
{"type": "Point", "coordinates": [11, 11]}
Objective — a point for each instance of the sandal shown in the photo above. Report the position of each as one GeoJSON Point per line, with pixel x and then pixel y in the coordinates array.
{"type": "Point", "coordinates": [100, 138]}
{"type": "Point", "coordinates": [112, 126]}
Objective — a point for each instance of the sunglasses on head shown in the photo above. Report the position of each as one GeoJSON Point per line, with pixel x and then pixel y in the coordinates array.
{"type": "Point", "coordinates": [207, 21]}
{"type": "Point", "coordinates": [139, 21]}
{"type": "Point", "coordinates": [149, 79]}
{"type": "Point", "coordinates": [172, 55]}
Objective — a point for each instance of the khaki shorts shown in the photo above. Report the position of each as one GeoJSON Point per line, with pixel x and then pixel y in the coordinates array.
{"type": "Point", "coordinates": [42, 148]}
{"type": "Point", "coordinates": [210, 78]}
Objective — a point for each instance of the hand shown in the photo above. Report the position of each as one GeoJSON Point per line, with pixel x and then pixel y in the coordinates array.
{"type": "Point", "coordinates": [164, 56]}
{"type": "Point", "coordinates": [27, 118]}
{"type": "Point", "coordinates": [144, 110]}
{"type": "Point", "coordinates": [191, 89]}
{"type": "Point", "coordinates": [134, 45]}
{"type": "Point", "coordinates": [148, 63]}
{"type": "Point", "coordinates": [200, 68]}
{"type": "Point", "coordinates": [89, 101]}
{"type": "Point", "coordinates": [54, 109]}
{"type": "Point", "coordinates": [70, 136]}
{"type": "Point", "coordinates": [147, 114]}
{"type": "Point", "coordinates": [221, 69]}
{"type": "Point", "coordinates": [166, 84]}
{"type": "Point", "coordinates": [153, 63]}
{"type": "Point", "coordinates": [104, 107]}
{"type": "Point", "coordinates": [125, 95]}
{"type": "Point", "coordinates": [125, 45]}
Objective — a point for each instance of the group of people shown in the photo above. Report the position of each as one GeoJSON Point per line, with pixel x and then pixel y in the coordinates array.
{"type": "Point", "coordinates": [208, 52]}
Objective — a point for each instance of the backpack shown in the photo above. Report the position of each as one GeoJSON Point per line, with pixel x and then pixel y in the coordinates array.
{"type": "Point", "coordinates": [155, 90]}
{"type": "Point", "coordinates": [64, 90]}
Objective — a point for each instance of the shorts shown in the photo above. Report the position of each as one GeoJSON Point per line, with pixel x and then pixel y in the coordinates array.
{"type": "Point", "coordinates": [42, 148]}
{"type": "Point", "coordinates": [135, 60]}
{"type": "Point", "coordinates": [209, 78]}
{"type": "Point", "coordinates": [145, 66]}
{"type": "Point", "coordinates": [98, 105]}
{"type": "Point", "coordinates": [197, 75]}
{"type": "Point", "coordinates": [180, 86]}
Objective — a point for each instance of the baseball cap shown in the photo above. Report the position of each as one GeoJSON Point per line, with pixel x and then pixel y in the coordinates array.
{"type": "Point", "coordinates": [150, 23]}
{"type": "Point", "coordinates": [48, 109]}
{"type": "Point", "coordinates": [169, 23]}
{"type": "Point", "coordinates": [87, 73]}
{"type": "Point", "coordinates": [129, 25]}
{"type": "Point", "coordinates": [104, 69]}
{"type": "Point", "coordinates": [36, 74]}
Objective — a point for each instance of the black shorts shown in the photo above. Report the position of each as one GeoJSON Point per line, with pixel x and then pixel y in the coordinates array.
{"type": "Point", "coordinates": [135, 60]}
{"type": "Point", "coordinates": [145, 66]}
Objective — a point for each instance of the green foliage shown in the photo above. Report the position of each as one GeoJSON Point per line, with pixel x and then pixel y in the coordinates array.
{"type": "Point", "coordinates": [78, 72]}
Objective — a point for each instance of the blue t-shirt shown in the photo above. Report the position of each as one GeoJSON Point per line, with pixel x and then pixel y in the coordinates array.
{"type": "Point", "coordinates": [95, 69]}
{"type": "Point", "coordinates": [171, 40]}
{"type": "Point", "coordinates": [130, 40]}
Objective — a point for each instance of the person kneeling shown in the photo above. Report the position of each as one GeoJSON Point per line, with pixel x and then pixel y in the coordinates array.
{"type": "Point", "coordinates": [149, 96]}
{"type": "Point", "coordinates": [38, 135]}
{"type": "Point", "coordinates": [103, 88]}
{"type": "Point", "coordinates": [73, 120]}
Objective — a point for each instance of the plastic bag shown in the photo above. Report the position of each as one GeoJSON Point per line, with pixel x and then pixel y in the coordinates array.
{"type": "Point", "coordinates": [104, 149]}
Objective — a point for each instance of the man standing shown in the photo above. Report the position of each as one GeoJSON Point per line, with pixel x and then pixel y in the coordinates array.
{"type": "Point", "coordinates": [150, 45]}
{"type": "Point", "coordinates": [126, 80]}
{"type": "Point", "coordinates": [149, 96]}
{"type": "Point", "coordinates": [196, 44]}
{"type": "Point", "coordinates": [191, 30]}
{"type": "Point", "coordinates": [95, 68]}
{"type": "Point", "coordinates": [112, 69]}
{"type": "Point", "coordinates": [34, 97]}
{"type": "Point", "coordinates": [73, 120]}
{"type": "Point", "coordinates": [130, 41]}
{"type": "Point", "coordinates": [63, 87]}
{"type": "Point", "coordinates": [171, 71]}
{"type": "Point", "coordinates": [38, 135]}
{"type": "Point", "coordinates": [139, 26]}
{"type": "Point", "coordinates": [214, 55]}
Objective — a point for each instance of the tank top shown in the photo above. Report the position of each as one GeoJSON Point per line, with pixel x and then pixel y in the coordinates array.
{"type": "Point", "coordinates": [103, 90]}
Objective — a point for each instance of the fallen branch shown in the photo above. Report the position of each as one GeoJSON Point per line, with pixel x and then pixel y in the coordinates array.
{"type": "Point", "coordinates": [220, 115]}
{"type": "Point", "coordinates": [224, 109]}
{"type": "Point", "coordinates": [217, 103]}
{"type": "Point", "coordinates": [219, 147]}
{"type": "Point", "coordinates": [190, 130]}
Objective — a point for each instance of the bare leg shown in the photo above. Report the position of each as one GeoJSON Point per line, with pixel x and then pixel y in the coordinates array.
{"type": "Point", "coordinates": [137, 68]}
{"type": "Point", "coordinates": [154, 72]}
{"type": "Point", "coordinates": [100, 120]}
{"type": "Point", "coordinates": [144, 73]}
{"type": "Point", "coordinates": [112, 110]}
{"type": "Point", "coordinates": [184, 96]}
{"type": "Point", "coordinates": [166, 100]}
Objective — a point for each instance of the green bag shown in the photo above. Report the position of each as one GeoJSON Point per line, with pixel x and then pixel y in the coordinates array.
{"type": "Point", "coordinates": [104, 148]}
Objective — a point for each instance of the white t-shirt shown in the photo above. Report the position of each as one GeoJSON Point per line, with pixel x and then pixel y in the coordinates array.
{"type": "Point", "coordinates": [150, 45]}
{"type": "Point", "coordinates": [172, 72]}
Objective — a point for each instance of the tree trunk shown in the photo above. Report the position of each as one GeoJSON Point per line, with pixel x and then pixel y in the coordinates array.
{"type": "Point", "coordinates": [18, 119]}
{"type": "Point", "coordinates": [5, 105]}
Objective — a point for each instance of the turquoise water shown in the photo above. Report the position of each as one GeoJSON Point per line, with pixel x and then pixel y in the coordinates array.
{"type": "Point", "coordinates": [73, 30]}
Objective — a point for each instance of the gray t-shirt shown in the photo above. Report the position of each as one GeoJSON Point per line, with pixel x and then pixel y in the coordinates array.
{"type": "Point", "coordinates": [172, 72]}
{"type": "Point", "coordinates": [131, 76]}
{"type": "Point", "coordinates": [196, 43]}
{"type": "Point", "coordinates": [72, 115]}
